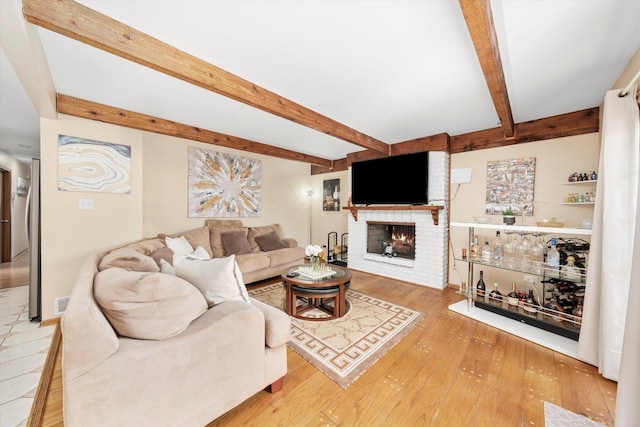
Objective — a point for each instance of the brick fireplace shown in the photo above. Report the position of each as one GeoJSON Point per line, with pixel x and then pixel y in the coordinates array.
{"type": "Point", "coordinates": [428, 264]}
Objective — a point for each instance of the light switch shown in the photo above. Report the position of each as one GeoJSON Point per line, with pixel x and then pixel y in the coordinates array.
{"type": "Point", "coordinates": [85, 204]}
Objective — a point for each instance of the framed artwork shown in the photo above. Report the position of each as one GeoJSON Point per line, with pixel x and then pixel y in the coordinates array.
{"type": "Point", "coordinates": [510, 185]}
{"type": "Point", "coordinates": [331, 195]}
{"type": "Point", "coordinates": [94, 166]}
{"type": "Point", "coordinates": [223, 185]}
{"type": "Point", "coordinates": [23, 187]}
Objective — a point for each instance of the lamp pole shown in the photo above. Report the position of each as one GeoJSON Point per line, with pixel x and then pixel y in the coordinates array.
{"type": "Point", "coordinates": [310, 196]}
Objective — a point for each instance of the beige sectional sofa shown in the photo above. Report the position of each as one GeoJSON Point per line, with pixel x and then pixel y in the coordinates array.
{"type": "Point", "coordinates": [142, 346]}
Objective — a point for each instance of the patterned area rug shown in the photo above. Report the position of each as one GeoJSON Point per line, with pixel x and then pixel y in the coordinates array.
{"type": "Point", "coordinates": [343, 349]}
{"type": "Point", "coordinates": [555, 416]}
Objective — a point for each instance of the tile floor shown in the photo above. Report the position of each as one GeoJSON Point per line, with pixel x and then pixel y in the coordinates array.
{"type": "Point", "coordinates": [23, 350]}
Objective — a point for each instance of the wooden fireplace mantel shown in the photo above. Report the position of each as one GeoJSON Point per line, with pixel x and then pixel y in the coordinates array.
{"type": "Point", "coordinates": [434, 209]}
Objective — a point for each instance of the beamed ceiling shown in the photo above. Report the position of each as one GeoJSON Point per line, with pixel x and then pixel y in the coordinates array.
{"type": "Point", "coordinates": [321, 82]}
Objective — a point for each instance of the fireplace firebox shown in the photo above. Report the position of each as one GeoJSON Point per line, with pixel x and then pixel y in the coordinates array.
{"type": "Point", "coordinates": [395, 239]}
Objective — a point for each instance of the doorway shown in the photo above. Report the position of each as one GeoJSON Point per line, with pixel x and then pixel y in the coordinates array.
{"type": "Point", "coordinates": [5, 215]}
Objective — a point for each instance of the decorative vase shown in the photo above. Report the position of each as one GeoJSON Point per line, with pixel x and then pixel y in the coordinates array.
{"type": "Point", "coordinates": [315, 263]}
{"type": "Point", "coordinates": [509, 219]}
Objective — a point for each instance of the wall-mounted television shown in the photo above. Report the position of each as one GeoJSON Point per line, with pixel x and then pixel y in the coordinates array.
{"type": "Point", "coordinates": [396, 180]}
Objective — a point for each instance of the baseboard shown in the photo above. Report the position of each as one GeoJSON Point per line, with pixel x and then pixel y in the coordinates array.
{"type": "Point", "coordinates": [40, 399]}
{"type": "Point", "coordinates": [49, 322]}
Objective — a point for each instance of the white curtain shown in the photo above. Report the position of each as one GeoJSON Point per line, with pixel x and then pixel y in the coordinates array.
{"type": "Point", "coordinates": [612, 256]}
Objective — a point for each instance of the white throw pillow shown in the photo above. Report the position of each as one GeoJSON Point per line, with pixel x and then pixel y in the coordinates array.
{"type": "Point", "coordinates": [166, 268]}
{"type": "Point", "coordinates": [199, 253]}
{"type": "Point", "coordinates": [218, 279]}
{"type": "Point", "coordinates": [179, 245]}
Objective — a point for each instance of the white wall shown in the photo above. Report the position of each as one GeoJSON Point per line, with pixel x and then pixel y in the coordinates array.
{"type": "Point", "coordinates": [324, 222]}
{"type": "Point", "coordinates": [556, 159]}
{"type": "Point", "coordinates": [19, 242]}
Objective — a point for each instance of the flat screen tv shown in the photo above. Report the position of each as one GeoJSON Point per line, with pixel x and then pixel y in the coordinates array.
{"type": "Point", "coordinates": [396, 180]}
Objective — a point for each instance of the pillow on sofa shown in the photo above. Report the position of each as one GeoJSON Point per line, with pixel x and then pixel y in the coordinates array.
{"type": "Point", "coordinates": [128, 259]}
{"type": "Point", "coordinates": [235, 242]}
{"type": "Point", "coordinates": [179, 245]}
{"type": "Point", "coordinates": [270, 242]}
{"type": "Point", "coordinates": [150, 306]}
{"type": "Point", "coordinates": [218, 279]}
{"type": "Point", "coordinates": [257, 231]}
{"type": "Point", "coordinates": [163, 254]}
{"type": "Point", "coordinates": [196, 237]}
{"type": "Point", "coordinates": [217, 247]}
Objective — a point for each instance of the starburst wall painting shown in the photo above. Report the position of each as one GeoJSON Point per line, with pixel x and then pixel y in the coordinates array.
{"type": "Point", "coordinates": [222, 185]}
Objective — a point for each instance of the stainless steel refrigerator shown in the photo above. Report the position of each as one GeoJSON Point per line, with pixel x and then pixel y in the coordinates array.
{"type": "Point", "coordinates": [33, 237]}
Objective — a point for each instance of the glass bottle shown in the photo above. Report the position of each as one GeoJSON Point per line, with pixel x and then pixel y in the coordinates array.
{"type": "Point", "coordinates": [554, 310]}
{"type": "Point", "coordinates": [480, 286]}
{"type": "Point", "coordinates": [530, 304]}
{"type": "Point", "coordinates": [486, 253]}
{"type": "Point", "coordinates": [474, 249]}
{"type": "Point", "coordinates": [570, 271]}
{"type": "Point", "coordinates": [553, 259]}
{"type": "Point", "coordinates": [498, 249]}
{"type": "Point", "coordinates": [495, 294]}
{"type": "Point", "coordinates": [512, 297]}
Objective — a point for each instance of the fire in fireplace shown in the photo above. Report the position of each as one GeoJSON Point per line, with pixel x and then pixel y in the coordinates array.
{"type": "Point", "coordinates": [396, 239]}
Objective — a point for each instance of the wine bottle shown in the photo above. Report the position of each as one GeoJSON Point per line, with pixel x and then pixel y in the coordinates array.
{"type": "Point", "coordinates": [480, 286]}
{"type": "Point", "coordinates": [512, 297]}
{"type": "Point", "coordinates": [553, 259]}
{"type": "Point", "coordinates": [487, 255]}
{"type": "Point", "coordinates": [530, 304]}
{"type": "Point", "coordinates": [474, 249]}
{"type": "Point", "coordinates": [495, 294]}
{"type": "Point", "coordinates": [498, 249]}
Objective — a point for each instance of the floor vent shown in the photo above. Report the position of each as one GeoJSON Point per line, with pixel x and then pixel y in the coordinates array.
{"type": "Point", "coordinates": [61, 304]}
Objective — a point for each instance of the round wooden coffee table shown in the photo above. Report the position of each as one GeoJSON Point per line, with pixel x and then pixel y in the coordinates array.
{"type": "Point", "coordinates": [316, 293]}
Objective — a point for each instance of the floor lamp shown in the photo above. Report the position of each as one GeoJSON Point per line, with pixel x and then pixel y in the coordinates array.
{"type": "Point", "coordinates": [310, 197]}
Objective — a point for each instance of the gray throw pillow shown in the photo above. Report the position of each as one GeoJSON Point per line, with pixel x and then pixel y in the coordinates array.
{"type": "Point", "coordinates": [235, 242]}
{"type": "Point", "coordinates": [270, 242]}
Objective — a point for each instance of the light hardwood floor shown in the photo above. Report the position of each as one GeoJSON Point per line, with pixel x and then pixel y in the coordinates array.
{"type": "Point", "coordinates": [15, 273]}
{"type": "Point", "coordinates": [449, 371]}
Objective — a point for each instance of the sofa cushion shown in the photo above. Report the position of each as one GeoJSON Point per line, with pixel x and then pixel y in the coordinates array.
{"type": "Point", "coordinates": [196, 237]}
{"type": "Point", "coordinates": [147, 246]}
{"type": "Point", "coordinates": [152, 306]}
{"type": "Point", "coordinates": [128, 259]}
{"type": "Point", "coordinates": [235, 242]}
{"type": "Point", "coordinates": [257, 231]}
{"type": "Point", "coordinates": [163, 254]}
{"type": "Point", "coordinates": [285, 256]}
{"type": "Point", "coordinates": [218, 279]}
{"type": "Point", "coordinates": [253, 261]}
{"type": "Point", "coordinates": [269, 242]}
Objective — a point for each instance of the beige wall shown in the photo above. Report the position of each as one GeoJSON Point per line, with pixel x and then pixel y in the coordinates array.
{"type": "Point", "coordinates": [157, 203]}
{"type": "Point", "coordinates": [165, 189]}
{"type": "Point", "coordinates": [70, 234]}
{"type": "Point", "coordinates": [18, 203]}
{"type": "Point", "coordinates": [325, 222]}
{"type": "Point", "coordinates": [556, 159]}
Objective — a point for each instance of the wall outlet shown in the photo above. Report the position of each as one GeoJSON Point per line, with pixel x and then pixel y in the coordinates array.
{"type": "Point", "coordinates": [60, 305]}
{"type": "Point", "coordinates": [85, 204]}
{"type": "Point", "coordinates": [529, 279]}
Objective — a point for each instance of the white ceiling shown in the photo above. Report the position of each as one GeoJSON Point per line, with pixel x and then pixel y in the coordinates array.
{"type": "Point", "coordinates": [394, 70]}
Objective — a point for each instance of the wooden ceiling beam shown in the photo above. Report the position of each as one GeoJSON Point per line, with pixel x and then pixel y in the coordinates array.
{"type": "Point", "coordinates": [560, 126]}
{"type": "Point", "coordinates": [477, 14]}
{"type": "Point", "coordinates": [116, 116]}
{"type": "Point", "coordinates": [86, 25]}
{"type": "Point", "coordinates": [570, 124]}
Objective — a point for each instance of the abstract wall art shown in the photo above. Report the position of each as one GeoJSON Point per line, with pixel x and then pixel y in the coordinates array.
{"type": "Point", "coordinates": [223, 185]}
{"type": "Point", "coordinates": [510, 186]}
{"type": "Point", "coordinates": [87, 165]}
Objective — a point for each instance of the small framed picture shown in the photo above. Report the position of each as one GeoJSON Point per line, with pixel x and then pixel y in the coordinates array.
{"type": "Point", "coordinates": [331, 195]}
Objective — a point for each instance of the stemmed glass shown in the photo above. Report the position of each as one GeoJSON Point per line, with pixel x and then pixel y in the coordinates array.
{"type": "Point", "coordinates": [537, 253]}
{"type": "Point", "coordinates": [523, 251]}
{"type": "Point", "coordinates": [510, 249]}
